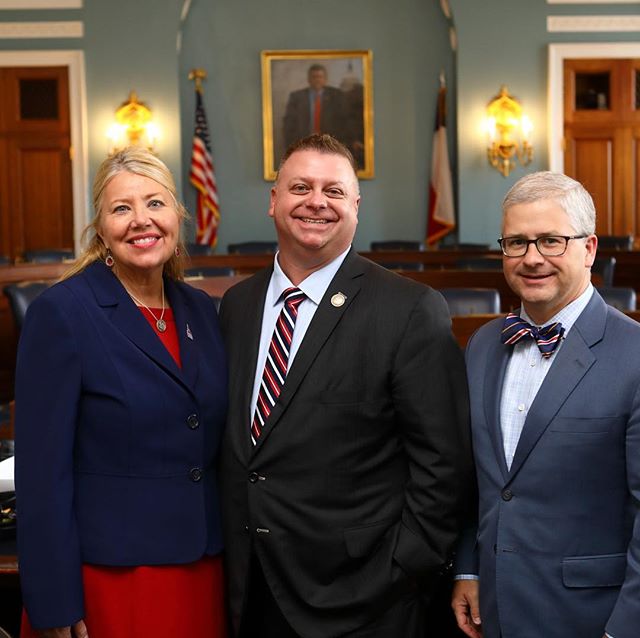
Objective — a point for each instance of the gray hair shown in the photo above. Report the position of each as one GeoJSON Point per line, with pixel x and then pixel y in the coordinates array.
{"type": "Point", "coordinates": [569, 194]}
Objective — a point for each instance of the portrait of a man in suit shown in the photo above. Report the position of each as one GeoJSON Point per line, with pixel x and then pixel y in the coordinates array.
{"type": "Point", "coordinates": [555, 414]}
{"type": "Point", "coordinates": [315, 92]}
{"type": "Point", "coordinates": [318, 108]}
{"type": "Point", "coordinates": [346, 464]}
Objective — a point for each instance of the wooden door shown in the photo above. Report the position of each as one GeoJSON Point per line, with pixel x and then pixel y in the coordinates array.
{"type": "Point", "coordinates": [36, 208]}
{"type": "Point", "coordinates": [602, 126]}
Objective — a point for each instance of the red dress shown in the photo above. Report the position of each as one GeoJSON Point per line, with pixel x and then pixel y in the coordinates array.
{"type": "Point", "coordinates": [165, 601]}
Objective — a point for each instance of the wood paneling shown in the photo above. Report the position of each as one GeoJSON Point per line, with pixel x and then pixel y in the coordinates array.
{"type": "Point", "coordinates": [46, 219]}
{"type": "Point", "coordinates": [590, 156]}
{"type": "Point", "coordinates": [601, 149]}
{"type": "Point", "coordinates": [36, 209]}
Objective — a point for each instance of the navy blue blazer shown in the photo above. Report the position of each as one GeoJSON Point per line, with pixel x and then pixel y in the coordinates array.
{"type": "Point", "coordinates": [558, 540]}
{"type": "Point", "coordinates": [115, 444]}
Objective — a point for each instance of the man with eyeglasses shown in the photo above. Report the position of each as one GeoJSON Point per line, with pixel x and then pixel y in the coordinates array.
{"type": "Point", "coordinates": [555, 409]}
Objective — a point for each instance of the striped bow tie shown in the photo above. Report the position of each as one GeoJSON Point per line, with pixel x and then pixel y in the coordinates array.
{"type": "Point", "coordinates": [547, 337]}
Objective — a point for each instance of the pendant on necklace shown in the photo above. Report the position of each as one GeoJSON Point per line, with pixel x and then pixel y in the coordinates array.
{"type": "Point", "coordinates": [161, 325]}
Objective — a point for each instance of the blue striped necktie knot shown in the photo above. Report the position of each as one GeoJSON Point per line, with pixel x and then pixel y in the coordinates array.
{"type": "Point", "coordinates": [516, 328]}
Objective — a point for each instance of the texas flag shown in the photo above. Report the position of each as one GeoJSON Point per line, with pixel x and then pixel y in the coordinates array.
{"type": "Point", "coordinates": [441, 217]}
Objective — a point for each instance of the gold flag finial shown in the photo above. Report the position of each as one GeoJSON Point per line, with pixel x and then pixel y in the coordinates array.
{"type": "Point", "coordinates": [198, 75]}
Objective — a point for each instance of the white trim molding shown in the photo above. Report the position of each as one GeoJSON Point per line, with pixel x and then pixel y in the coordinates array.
{"type": "Point", "coordinates": [592, 24]}
{"type": "Point", "coordinates": [74, 61]}
{"type": "Point", "coordinates": [40, 4]}
{"type": "Point", "coordinates": [558, 53]}
{"type": "Point", "coordinates": [30, 30]}
{"type": "Point", "coordinates": [593, 2]}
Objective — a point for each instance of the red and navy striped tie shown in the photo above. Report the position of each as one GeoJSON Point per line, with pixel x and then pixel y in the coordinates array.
{"type": "Point", "coordinates": [275, 367]}
{"type": "Point", "coordinates": [547, 337]}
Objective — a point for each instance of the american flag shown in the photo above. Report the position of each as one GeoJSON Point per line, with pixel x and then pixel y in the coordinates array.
{"type": "Point", "coordinates": [204, 180]}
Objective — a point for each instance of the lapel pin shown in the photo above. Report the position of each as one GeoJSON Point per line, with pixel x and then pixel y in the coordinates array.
{"type": "Point", "coordinates": [338, 299]}
{"type": "Point", "coordinates": [189, 335]}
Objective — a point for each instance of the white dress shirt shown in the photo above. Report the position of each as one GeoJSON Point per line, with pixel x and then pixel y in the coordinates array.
{"type": "Point", "coordinates": [314, 287]}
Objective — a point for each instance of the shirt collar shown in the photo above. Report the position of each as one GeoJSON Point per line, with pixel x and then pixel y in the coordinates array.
{"type": "Point", "coordinates": [569, 314]}
{"type": "Point", "coordinates": [314, 286]}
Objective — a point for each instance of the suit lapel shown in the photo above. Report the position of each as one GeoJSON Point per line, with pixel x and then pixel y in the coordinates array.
{"type": "Point", "coordinates": [125, 316]}
{"type": "Point", "coordinates": [499, 354]}
{"type": "Point", "coordinates": [326, 318]}
{"type": "Point", "coordinates": [247, 332]}
{"type": "Point", "coordinates": [188, 346]}
{"type": "Point", "coordinates": [573, 361]}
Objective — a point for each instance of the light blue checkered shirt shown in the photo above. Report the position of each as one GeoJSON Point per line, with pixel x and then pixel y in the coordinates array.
{"type": "Point", "coordinates": [525, 373]}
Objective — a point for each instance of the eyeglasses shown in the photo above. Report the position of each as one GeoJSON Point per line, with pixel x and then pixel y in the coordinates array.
{"type": "Point", "coordinates": [548, 246]}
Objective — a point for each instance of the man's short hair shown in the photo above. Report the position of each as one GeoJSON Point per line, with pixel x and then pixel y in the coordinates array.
{"type": "Point", "coordinates": [569, 194]}
{"type": "Point", "coordinates": [322, 143]}
{"type": "Point", "coordinates": [317, 67]}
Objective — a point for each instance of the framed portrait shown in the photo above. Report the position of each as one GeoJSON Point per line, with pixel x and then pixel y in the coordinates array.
{"type": "Point", "coordinates": [306, 92]}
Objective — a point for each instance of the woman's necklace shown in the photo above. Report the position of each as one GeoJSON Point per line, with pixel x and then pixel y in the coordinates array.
{"type": "Point", "coordinates": [161, 324]}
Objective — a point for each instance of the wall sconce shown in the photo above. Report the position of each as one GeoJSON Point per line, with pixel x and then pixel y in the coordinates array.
{"type": "Point", "coordinates": [509, 133]}
{"type": "Point", "coordinates": [133, 126]}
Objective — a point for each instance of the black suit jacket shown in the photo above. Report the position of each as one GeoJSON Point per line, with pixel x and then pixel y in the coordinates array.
{"type": "Point", "coordinates": [333, 115]}
{"type": "Point", "coordinates": [352, 494]}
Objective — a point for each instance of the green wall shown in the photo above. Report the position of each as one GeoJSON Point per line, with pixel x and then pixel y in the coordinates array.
{"type": "Point", "coordinates": [409, 40]}
{"type": "Point", "coordinates": [127, 45]}
{"type": "Point", "coordinates": [505, 42]}
{"type": "Point", "coordinates": [132, 45]}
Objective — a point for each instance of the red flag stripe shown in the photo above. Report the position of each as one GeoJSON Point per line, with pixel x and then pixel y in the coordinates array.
{"type": "Point", "coordinates": [202, 177]}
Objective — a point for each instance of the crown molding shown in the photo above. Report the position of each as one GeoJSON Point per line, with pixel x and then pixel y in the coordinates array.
{"type": "Point", "coordinates": [40, 4]}
{"type": "Point", "coordinates": [592, 2]}
{"type": "Point", "coordinates": [585, 24]}
{"type": "Point", "coordinates": [31, 30]}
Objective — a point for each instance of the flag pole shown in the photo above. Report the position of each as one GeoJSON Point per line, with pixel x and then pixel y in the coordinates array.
{"type": "Point", "coordinates": [197, 75]}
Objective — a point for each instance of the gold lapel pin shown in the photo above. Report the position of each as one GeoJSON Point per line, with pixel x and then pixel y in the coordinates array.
{"type": "Point", "coordinates": [338, 299]}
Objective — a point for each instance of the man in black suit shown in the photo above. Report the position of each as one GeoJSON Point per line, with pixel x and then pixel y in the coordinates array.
{"type": "Point", "coordinates": [319, 108]}
{"type": "Point", "coordinates": [341, 499]}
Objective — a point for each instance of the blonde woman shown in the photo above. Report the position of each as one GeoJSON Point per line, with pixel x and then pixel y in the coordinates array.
{"type": "Point", "coordinates": [120, 405]}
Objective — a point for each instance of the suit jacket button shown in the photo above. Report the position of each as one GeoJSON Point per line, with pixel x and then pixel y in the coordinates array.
{"type": "Point", "coordinates": [193, 422]}
{"type": "Point", "coordinates": [253, 477]}
{"type": "Point", "coordinates": [195, 474]}
{"type": "Point", "coordinates": [507, 495]}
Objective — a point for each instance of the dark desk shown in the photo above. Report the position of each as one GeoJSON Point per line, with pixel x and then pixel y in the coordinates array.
{"type": "Point", "coordinates": [10, 596]}
{"type": "Point", "coordinates": [8, 558]}
{"type": "Point", "coordinates": [440, 272]}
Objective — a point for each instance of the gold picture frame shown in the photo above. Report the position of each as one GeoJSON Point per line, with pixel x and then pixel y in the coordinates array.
{"type": "Point", "coordinates": [344, 107]}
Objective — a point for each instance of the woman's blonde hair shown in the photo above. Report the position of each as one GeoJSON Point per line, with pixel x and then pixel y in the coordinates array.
{"type": "Point", "coordinates": [138, 161]}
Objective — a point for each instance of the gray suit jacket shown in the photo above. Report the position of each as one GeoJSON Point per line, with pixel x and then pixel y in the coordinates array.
{"type": "Point", "coordinates": [359, 475]}
{"type": "Point", "coordinates": [558, 539]}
